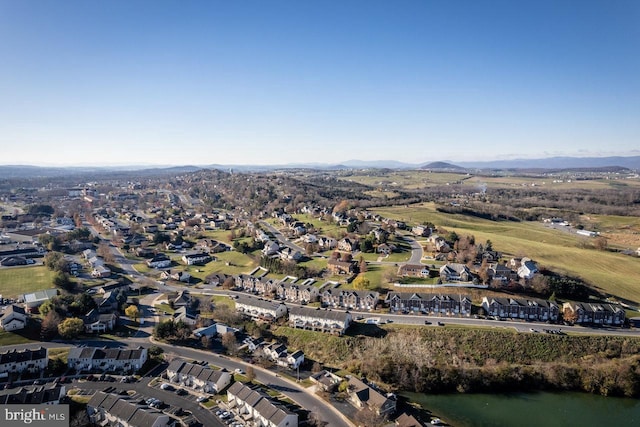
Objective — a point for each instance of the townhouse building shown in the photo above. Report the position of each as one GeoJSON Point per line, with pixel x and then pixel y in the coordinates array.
{"type": "Point", "coordinates": [253, 405]}
{"type": "Point", "coordinates": [333, 322]}
{"type": "Point", "coordinates": [437, 304]}
{"type": "Point", "coordinates": [350, 299]}
{"type": "Point", "coordinates": [518, 308]}
{"type": "Point", "coordinates": [299, 293]}
{"type": "Point", "coordinates": [28, 360]}
{"type": "Point", "coordinates": [106, 359]}
{"type": "Point", "coordinates": [593, 313]}
{"type": "Point", "coordinates": [47, 394]}
{"type": "Point", "coordinates": [198, 377]}
{"type": "Point", "coordinates": [113, 409]}
{"type": "Point", "coordinates": [260, 309]}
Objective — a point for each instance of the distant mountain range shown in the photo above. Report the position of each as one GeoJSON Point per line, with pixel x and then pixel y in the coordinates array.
{"type": "Point", "coordinates": [555, 163]}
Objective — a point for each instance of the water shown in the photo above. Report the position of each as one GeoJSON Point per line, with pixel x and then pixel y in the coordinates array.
{"type": "Point", "coordinates": [530, 409]}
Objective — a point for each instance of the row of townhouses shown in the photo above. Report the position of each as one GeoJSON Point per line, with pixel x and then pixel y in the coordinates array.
{"type": "Point", "coordinates": [198, 377]}
{"type": "Point", "coordinates": [253, 405]}
{"type": "Point", "coordinates": [47, 394]}
{"type": "Point", "coordinates": [329, 321]}
{"type": "Point", "coordinates": [448, 305]}
{"type": "Point", "coordinates": [350, 299]}
{"type": "Point", "coordinates": [525, 309]}
{"type": "Point", "coordinates": [306, 292]}
{"type": "Point", "coordinates": [27, 360]}
{"type": "Point", "coordinates": [112, 409]}
{"type": "Point", "coordinates": [593, 313]}
{"type": "Point", "coordinates": [106, 359]}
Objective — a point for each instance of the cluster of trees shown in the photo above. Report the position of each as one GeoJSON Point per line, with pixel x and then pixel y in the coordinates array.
{"type": "Point", "coordinates": [291, 268]}
{"type": "Point", "coordinates": [172, 331]}
{"type": "Point", "coordinates": [428, 360]}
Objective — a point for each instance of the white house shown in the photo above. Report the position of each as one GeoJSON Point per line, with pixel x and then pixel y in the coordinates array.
{"type": "Point", "coordinates": [335, 322]}
{"type": "Point", "coordinates": [527, 269]}
{"type": "Point", "coordinates": [35, 299]}
{"type": "Point", "coordinates": [260, 308]}
{"type": "Point", "coordinates": [13, 318]}
{"type": "Point", "coordinates": [198, 377]}
{"type": "Point", "coordinates": [24, 360]}
{"type": "Point", "coordinates": [251, 404]}
{"type": "Point", "coordinates": [106, 359]}
{"type": "Point", "coordinates": [159, 261]}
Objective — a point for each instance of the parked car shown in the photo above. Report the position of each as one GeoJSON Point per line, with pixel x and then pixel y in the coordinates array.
{"type": "Point", "coordinates": [166, 386]}
{"type": "Point", "coordinates": [181, 392]}
{"type": "Point", "coordinates": [202, 399]}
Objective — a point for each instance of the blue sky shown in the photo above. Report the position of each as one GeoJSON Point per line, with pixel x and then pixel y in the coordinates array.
{"type": "Point", "coordinates": [272, 82]}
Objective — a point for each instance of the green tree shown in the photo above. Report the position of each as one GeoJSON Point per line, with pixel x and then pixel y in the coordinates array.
{"type": "Point", "coordinates": [71, 328]}
{"type": "Point", "coordinates": [361, 282]}
{"type": "Point", "coordinates": [62, 280]}
{"type": "Point", "coordinates": [46, 307]}
{"type": "Point", "coordinates": [132, 312]}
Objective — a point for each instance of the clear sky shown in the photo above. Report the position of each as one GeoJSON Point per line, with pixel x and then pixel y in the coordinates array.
{"type": "Point", "coordinates": [272, 82]}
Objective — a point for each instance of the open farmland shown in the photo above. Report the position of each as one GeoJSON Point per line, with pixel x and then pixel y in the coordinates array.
{"type": "Point", "coordinates": [15, 281]}
{"type": "Point", "coordinates": [563, 252]}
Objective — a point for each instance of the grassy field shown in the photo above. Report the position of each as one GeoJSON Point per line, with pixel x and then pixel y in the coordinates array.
{"type": "Point", "coordinates": [415, 179]}
{"type": "Point", "coordinates": [16, 281]}
{"type": "Point", "coordinates": [322, 227]}
{"type": "Point", "coordinates": [12, 338]}
{"type": "Point", "coordinates": [612, 273]}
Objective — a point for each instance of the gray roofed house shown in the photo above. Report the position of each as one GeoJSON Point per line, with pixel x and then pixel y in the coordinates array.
{"type": "Point", "coordinates": [106, 359]}
{"type": "Point", "coordinates": [95, 321]}
{"type": "Point", "coordinates": [185, 315]}
{"type": "Point", "coordinates": [49, 394]}
{"type": "Point", "coordinates": [24, 360]}
{"type": "Point", "coordinates": [110, 409]}
{"type": "Point", "coordinates": [198, 377]}
{"type": "Point", "coordinates": [260, 309]}
{"type": "Point", "coordinates": [253, 405]}
{"type": "Point", "coordinates": [35, 299]}
{"type": "Point", "coordinates": [13, 318]}
{"type": "Point", "coordinates": [334, 322]}
{"type": "Point", "coordinates": [362, 395]}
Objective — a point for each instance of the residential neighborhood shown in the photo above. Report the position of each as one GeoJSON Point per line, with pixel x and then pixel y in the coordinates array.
{"type": "Point", "coordinates": [266, 291]}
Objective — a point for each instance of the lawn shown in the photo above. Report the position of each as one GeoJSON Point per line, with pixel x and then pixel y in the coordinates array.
{"type": "Point", "coordinates": [61, 353]}
{"type": "Point", "coordinates": [15, 281]}
{"type": "Point", "coordinates": [610, 272]}
{"type": "Point", "coordinates": [12, 338]}
{"type": "Point", "coordinates": [322, 227]}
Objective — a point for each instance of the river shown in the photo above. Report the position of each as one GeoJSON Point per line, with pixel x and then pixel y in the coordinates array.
{"type": "Point", "coordinates": [530, 409]}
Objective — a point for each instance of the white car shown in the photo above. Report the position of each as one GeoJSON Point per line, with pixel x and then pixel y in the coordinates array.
{"type": "Point", "coordinates": [166, 386]}
{"type": "Point", "coordinates": [202, 399]}
{"type": "Point", "coordinates": [239, 371]}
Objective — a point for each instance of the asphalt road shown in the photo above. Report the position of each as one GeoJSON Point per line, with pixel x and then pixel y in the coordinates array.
{"type": "Point", "coordinates": [281, 239]}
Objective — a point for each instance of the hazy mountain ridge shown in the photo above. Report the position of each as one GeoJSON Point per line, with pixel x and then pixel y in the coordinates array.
{"type": "Point", "coordinates": [551, 163]}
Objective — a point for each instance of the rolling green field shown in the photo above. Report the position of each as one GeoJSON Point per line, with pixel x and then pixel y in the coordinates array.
{"type": "Point", "coordinates": [415, 179]}
{"type": "Point", "coordinates": [16, 281]}
{"type": "Point", "coordinates": [612, 273]}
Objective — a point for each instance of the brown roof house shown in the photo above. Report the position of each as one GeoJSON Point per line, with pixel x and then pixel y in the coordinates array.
{"type": "Point", "coordinates": [361, 395]}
